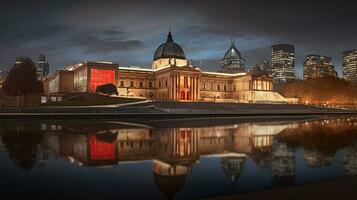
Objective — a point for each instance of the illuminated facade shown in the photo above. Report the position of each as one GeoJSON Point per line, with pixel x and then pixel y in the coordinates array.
{"type": "Point", "coordinates": [283, 62]}
{"type": "Point", "coordinates": [171, 77]}
{"type": "Point", "coordinates": [316, 66]}
{"type": "Point", "coordinates": [350, 66]}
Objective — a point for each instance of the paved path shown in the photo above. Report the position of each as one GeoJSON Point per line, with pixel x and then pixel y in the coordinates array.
{"type": "Point", "coordinates": [338, 189]}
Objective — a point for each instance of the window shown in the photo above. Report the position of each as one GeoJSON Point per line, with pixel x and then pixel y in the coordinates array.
{"type": "Point", "coordinates": [150, 84]}
{"type": "Point", "coordinates": [159, 83]}
{"type": "Point", "coordinates": [131, 84]}
{"type": "Point", "coordinates": [225, 87]}
{"type": "Point", "coordinates": [234, 87]}
{"type": "Point", "coordinates": [166, 83]}
{"type": "Point", "coordinates": [218, 87]}
{"type": "Point", "coordinates": [121, 83]}
{"type": "Point", "coordinates": [141, 84]}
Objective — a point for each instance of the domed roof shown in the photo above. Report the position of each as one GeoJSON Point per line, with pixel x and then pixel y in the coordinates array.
{"type": "Point", "coordinates": [169, 50]}
{"type": "Point", "coordinates": [169, 185]}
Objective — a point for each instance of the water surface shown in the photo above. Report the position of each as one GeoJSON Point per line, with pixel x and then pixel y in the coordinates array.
{"type": "Point", "coordinates": [165, 159]}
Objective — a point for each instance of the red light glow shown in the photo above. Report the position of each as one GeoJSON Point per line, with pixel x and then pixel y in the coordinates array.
{"type": "Point", "coordinates": [101, 150]}
{"type": "Point", "coordinates": [101, 77]}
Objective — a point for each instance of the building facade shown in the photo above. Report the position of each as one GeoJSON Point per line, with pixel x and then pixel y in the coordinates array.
{"type": "Point", "coordinates": [171, 77]}
{"type": "Point", "coordinates": [283, 62]}
{"type": "Point", "coordinates": [316, 66]}
{"type": "Point", "coordinates": [350, 66]}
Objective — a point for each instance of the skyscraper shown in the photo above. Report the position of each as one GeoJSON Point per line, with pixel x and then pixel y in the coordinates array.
{"type": "Point", "coordinates": [42, 67]}
{"type": "Point", "coordinates": [350, 65]}
{"type": "Point", "coordinates": [232, 62]}
{"type": "Point", "coordinates": [316, 66]}
{"type": "Point", "coordinates": [283, 62]}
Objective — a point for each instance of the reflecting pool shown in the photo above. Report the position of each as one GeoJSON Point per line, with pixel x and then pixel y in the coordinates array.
{"type": "Point", "coordinates": [171, 159]}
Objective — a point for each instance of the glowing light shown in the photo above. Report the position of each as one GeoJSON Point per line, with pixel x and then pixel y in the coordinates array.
{"type": "Point", "coordinates": [101, 150]}
{"type": "Point", "coordinates": [101, 77]}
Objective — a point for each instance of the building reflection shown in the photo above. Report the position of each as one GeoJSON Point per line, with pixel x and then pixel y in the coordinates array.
{"type": "Point", "coordinates": [175, 151]}
{"type": "Point", "coordinates": [283, 164]}
{"type": "Point", "coordinates": [350, 160]}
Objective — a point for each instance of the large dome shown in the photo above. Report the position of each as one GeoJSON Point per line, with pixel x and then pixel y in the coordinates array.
{"type": "Point", "coordinates": [169, 50]}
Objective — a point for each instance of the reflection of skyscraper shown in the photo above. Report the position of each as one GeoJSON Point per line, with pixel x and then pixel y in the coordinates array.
{"type": "Point", "coordinates": [283, 164]}
{"type": "Point", "coordinates": [233, 167]}
{"type": "Point", "coordinates": [317, 159]}
{"type": "Point", "coordinates": [350, 160]}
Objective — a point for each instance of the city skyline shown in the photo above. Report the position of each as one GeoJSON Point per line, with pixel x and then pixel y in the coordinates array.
{"type": "Point", "coordinates": [63, 33]}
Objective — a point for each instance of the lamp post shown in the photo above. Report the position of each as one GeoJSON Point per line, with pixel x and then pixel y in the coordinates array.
{"type": "Point", "coordinates": [17, 99]}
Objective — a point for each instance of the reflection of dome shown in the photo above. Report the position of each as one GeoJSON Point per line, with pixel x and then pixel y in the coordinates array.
{"type": "Point", "coordinates": [233, 167]}
{"type": "Point", "coordinates": [169, 50]}
{"type": "Point", "coordinates": [169, 185]}
{"type": "Point", "coordinates": [169, 178]}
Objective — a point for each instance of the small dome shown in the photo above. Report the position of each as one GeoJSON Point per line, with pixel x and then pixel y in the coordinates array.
{"type": "Point", "coordinates": [169, 50]}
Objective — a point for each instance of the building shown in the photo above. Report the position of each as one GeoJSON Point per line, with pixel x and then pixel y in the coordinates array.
{"type": "Point", "coordinates": [283, 62]}
{"type": "Point", "coordinates": [265, 65]}
{"type": "Point", "coordinates": [42, 69]}
{"type": "Point", "coordinates": [350, 66]}
{"type": "Point", "coordinates": [232, 62]}
{"type": "Point", "coordinates": [316, 66]}
{"type": "Point", "coordinates": [172, 77]}
{"type": "Point", "coordinates": [3, 76]}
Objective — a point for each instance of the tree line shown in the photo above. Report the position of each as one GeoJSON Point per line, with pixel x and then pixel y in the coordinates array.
{"type": "Point", "coordinates": [324, 90]}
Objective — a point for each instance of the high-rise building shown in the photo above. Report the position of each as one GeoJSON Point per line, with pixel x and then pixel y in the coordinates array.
{"type": "Point", "coordinates": [316, 66]}
{"type": "Point", "coordinates": [232, 62]}
{"type": "Point", "coordinates": [265, 65]}
{"type": "Point", "coordinates": [42, 68]}
{"type": "Point", "coordinates": [350, 65]}
{"type": "Point", "coordinates": [283, 62]}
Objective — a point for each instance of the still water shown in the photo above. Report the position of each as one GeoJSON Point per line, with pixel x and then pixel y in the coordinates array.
{"type": "Point", "coordinates": [168, 159]}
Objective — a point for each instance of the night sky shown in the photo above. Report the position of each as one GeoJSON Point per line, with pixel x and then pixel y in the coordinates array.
{"type": "Point", "coordinates": [128, 32]}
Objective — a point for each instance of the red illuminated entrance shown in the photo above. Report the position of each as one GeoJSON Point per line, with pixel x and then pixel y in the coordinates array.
{"type": "Point", "coordinates": [100, 77]}
{"type": "Point", "coordinates": [101, 150]}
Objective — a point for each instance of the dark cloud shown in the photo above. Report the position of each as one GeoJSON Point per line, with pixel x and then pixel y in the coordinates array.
{"type": "Point", "coordinates": [77, 30]}
{"type": "Point", "coordinates": [107, 41]}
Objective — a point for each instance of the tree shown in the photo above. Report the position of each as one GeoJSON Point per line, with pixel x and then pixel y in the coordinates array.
{"type": "Point", "coordinates": [22, 79]}
{"type": "Point", "coordinates": [107, 89]}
